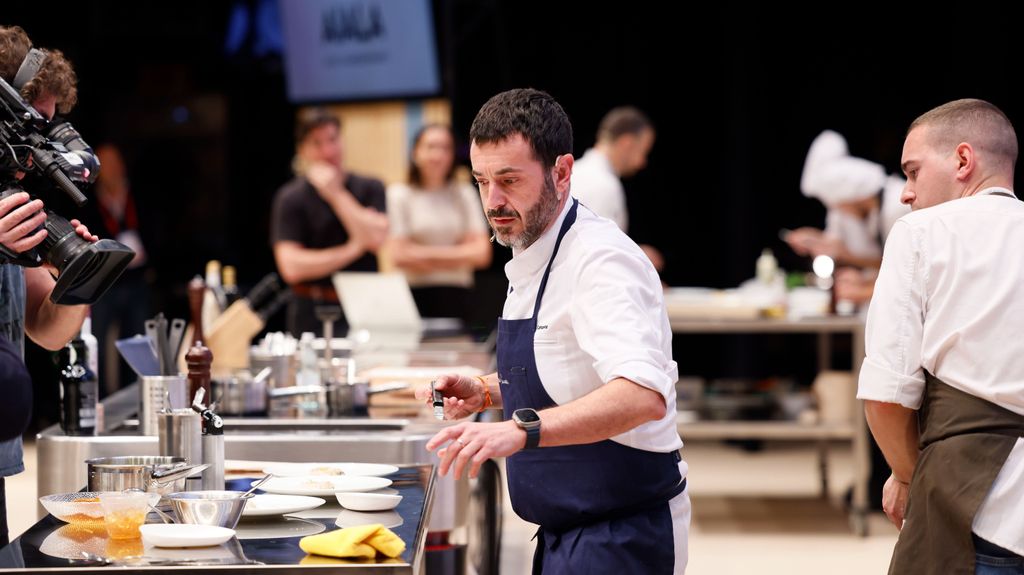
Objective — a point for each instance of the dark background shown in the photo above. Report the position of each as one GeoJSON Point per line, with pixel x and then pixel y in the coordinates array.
{"type": "Point", "coordinates": [737, 93]}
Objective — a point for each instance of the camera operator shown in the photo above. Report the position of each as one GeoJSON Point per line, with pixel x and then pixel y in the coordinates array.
{"type": "Point", "coordinates": [25, 306]}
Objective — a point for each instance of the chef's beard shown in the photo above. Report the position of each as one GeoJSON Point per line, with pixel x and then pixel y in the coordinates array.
{"type": "Point", "coordinates": [538, 216]}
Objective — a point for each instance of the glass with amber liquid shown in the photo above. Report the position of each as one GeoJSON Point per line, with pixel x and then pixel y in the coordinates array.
{"type": "Point", "coordinates": [123, 513]}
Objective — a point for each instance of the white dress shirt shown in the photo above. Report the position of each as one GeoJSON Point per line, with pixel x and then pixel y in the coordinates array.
{"type": "Point", "coordinates": [602, 317]}
{"type": "Point", "coordinates": [950, 300]}
{"type": "Point", "coordinates": [596, 186]}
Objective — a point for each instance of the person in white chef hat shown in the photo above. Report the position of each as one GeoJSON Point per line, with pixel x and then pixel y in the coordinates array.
{"type": "Point", "coordinates": [863, 202]}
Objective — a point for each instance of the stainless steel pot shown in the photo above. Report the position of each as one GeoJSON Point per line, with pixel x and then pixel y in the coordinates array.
{"type": "Point", "coordinates": [242, 393]}
{"type": "Point", "coordinates": [345, 399]}
{"type": "Point", "coordinates": [297, 402]}
{"type": "Point", "coordinates": [155, 474]}
{"type": "Point", "coordinates": [283, 367]}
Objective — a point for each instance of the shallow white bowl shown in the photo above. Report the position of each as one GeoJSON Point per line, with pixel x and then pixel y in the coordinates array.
{"type": "Point", "coordinates": [368, 501]}
{"type": "Point", "coordinates": [349, 518]}
{"type": "Point", "coordinates": [184, 535]}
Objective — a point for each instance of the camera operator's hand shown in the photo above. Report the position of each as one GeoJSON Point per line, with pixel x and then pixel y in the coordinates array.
{"type": "Point", "coordinates": [19, 216]}
{"type": "Point", "coordinates": [83, 231]}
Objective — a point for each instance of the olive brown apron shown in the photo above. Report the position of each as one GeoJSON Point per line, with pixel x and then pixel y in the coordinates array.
{"type": "Point", "coordinates": [965, 441]}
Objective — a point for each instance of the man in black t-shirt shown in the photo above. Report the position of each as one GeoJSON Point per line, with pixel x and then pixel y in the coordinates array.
{"type": "Point", "coordinates": [324, 220]}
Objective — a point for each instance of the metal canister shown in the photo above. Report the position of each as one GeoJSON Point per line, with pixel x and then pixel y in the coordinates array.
{"type": "Point", "coordinates": [181, 435]}
{"type": "Point", "coordinates": [160, 393]}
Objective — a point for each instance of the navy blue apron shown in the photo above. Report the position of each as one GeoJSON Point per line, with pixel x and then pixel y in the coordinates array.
{"type": "Point", "coordinates": [602, 507]}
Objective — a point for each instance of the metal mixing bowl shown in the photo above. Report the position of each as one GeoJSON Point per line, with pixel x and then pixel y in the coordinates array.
{"type": "Point", "coordinates": [220, 508]}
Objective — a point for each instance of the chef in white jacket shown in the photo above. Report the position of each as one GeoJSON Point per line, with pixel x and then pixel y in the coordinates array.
{"type": "Point", "coordinates": [863, 203]}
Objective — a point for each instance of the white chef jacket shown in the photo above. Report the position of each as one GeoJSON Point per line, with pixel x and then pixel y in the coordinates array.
{"type": "Point", "coordinates": [950, 300]}
{"type": "Point", "coordinates": [602, 317]}
{"type": "Point", "coordinates": [596, 186]}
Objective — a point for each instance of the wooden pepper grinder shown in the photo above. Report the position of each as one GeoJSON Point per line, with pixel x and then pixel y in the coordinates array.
{"type": "Point", "coordinates": [199, 357]}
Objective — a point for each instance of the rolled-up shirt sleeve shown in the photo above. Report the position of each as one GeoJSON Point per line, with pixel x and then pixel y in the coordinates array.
{"type": "Point", "coordinates": [892, 370]}
{"type": "Point", "coordinates": [619, 319]}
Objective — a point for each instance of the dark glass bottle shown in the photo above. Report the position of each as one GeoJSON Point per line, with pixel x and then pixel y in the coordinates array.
{"type": "Point", "coordinates": [79, 390]}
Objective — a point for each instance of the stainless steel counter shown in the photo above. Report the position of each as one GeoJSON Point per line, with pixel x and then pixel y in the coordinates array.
{"type": "Point", "coordinates": [855, 431]}
{"type": "Point", "coordinates": [62, 469]}
{"type": "Point", "coordinates": [260, 546]}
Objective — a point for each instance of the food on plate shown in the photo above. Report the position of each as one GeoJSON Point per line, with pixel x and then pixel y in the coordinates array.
{"type": "Point", "coordinates": [86, 500]}
{"type": "Point", "coordinates": [326, 470]}
{"type": "Point", "coordinates": [317, 484]}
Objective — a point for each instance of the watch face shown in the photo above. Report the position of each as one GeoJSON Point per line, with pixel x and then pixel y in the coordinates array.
{"type": "Point", "coordinates": [526, 415]}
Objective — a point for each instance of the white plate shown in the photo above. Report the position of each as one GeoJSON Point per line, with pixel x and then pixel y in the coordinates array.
{"type": "Point", "coordinates": [329, 469]}
{"type": "Point", "coordinates": [211, 553]}
{"type": "Point", "coordinates": [368, 501]}
{"type": "Point", "coordinates": [349, 518]}
{"type": "Point", "coordinates": [180, 535]}
{"type": "Point", "coordinates": [322, 486]}
{"type": "Point", "coordinates": [278, 528]}
{"type": "Point", "coordinates": [266, 504]}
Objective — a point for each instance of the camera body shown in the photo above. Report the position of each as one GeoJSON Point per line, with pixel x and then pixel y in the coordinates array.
{"type": "Point", "coordinates": [57, 156]}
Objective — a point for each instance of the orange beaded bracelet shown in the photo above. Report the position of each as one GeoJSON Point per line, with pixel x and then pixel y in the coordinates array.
{"type": "Point", "coordinates": [487, 394]}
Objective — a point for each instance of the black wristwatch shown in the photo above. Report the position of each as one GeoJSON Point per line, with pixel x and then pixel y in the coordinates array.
{"type": "Point", "coordinates": [528, 420]}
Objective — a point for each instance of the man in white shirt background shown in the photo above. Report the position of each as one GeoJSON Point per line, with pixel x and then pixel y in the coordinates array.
{"type": "Point", "coordinates": [943, 380]}
{"type": "Point", "coordinates": [585, 372]}
{"type": "Point", "coordinates": [624, 140]}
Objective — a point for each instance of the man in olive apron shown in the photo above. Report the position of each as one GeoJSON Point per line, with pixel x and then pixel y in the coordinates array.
{"type": "Point", "coordinates": [585, 372]}
{"type": "Point", "coordinates": [943, 378]}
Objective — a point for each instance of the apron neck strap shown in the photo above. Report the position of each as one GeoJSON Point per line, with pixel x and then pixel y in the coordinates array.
{"type": "Point", "coordinates": [570, 218]}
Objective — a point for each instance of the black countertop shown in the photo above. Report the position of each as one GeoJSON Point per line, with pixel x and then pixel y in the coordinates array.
{"type": "Point", "coordinates": [261, 545]}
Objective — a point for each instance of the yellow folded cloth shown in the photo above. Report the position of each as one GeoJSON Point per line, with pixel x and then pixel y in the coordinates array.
{"type": "Point", "coordinates": [362, 541]}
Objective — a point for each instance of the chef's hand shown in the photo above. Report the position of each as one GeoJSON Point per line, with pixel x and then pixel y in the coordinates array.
{"type": "Point", "coordinates": [463, 396]}
{"type": "Point", "coordinates": [472, 443]}
{"type": "Point", "coordinates": [801, 239]}
{"type": "Point", "coordinates": [894, 500]}
{"type": "Point", "coordinates": [829, 246]}
{"type": "Point", "coordinates": [851, 285]}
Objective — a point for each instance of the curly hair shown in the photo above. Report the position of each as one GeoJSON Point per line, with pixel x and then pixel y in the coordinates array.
{"type": "Point", "coordinates": [56, 77]}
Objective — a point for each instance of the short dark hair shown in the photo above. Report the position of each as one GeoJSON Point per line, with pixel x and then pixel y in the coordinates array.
{"type": "Point", "coordinates": [415, 176]}
{"type": "Point", "coordinates": [55, 77]}
{"type": "Point", "coordinates": [531, 113]}
{"type": "Point", "coordinates": [621, 121]}
{"type": "Point", "coordinates": [310, 119]}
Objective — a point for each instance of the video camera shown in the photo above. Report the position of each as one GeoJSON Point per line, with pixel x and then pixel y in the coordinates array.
{"type": "Point", "coordinates": [30, 143]}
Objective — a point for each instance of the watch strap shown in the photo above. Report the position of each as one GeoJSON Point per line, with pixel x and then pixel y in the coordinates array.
{"type": "Point", "coordinates": [532, 437]}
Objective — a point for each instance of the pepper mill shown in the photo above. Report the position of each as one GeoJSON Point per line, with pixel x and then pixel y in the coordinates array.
{"type": "Point", "coordinates": [199, 357]}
